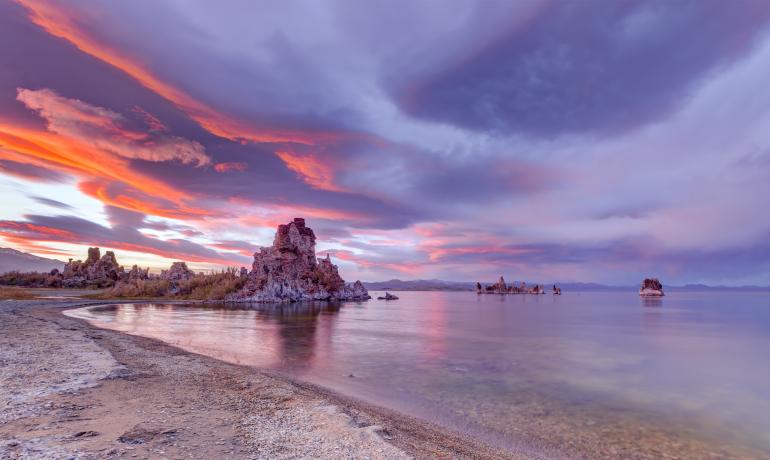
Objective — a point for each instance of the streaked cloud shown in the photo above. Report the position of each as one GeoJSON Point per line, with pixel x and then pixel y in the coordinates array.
{"type": "Point", "coordinates": [542, 140]}
{"type": "Point", "coordinates": [107, 131]}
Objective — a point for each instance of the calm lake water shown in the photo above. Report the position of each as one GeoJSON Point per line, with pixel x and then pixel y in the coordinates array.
{"type": "Point", "coordinates": [600, 372]}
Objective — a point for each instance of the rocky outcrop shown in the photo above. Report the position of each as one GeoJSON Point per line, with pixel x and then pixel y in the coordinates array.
{"type": "Point", "coordinates": [388, 296]}
{"type": "Point", "coordinates": [288, 271]}
{"type": "Point", "coordinates": [176, 275]}
{"type": "Point", "coordinates": [177, 272]}
{"type": "Point", "coordinates": [97, 270]}
{"type": "Point", "coordinates": [502, 288]}
{"type": "Point", "coordinates": [136, 274]}
{"type": "Point", "coordinates": [651, 287]}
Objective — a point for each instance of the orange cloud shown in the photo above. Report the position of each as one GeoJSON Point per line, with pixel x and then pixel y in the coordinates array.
{"type": "Point", "coordinates": [90, 143]}
{"type": "Point", "coordinates": [312, 170]}
{"type": "Point", "coordinates": [104, 129]}
{"type": "Point", "coordinates": [152, 121]}
{"type": "Point", "coordinates": [225, 167]}
{"type": "Point", "coordinates": [25, 234]}
{"type": "Point", "coordinates": [58, 22]}
{"type": "Point", "coordinates": [13, 228]}
{"type": "Point", "coordinates": [72, 156]}
{"type": "Point", "coordinates": [144, 205]}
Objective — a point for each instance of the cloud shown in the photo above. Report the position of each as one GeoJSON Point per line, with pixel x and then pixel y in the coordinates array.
{"type": "Point", "coordinates": [230, 166]}
{"type": "Point", "coordinates": [546, 140]}
{"type": "Point", "coordinates": [122, 234]}
{"type": "Point", "coordinates": [586, 67]}
{"type": "Point", "coordinates": [31, 172]}
{"type": "Point", "coordinates": [106, 130]}
{"type": "Point", "coordinates": [315, 171]}
{"type": "Point", "coordinates": [61, 22]}
{"type": "Point", "coordinates": [52, 203]}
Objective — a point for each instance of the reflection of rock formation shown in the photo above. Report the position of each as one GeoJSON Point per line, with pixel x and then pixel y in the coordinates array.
{"type": "Point", "coordinates": [652, 301]}
{"type": "Point", "coordinates": [651, 287]}
{"type": "Point", "coordinates": [298, 329]}
{"type": "Point", "coordinates": [288, 271]}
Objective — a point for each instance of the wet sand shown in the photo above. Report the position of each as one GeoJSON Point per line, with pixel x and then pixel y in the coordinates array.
{"type": "Point", "coordinates": [70, 390]}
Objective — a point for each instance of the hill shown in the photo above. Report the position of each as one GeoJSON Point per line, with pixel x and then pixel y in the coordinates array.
{"type": "Point", "coordinates": [11, 259]}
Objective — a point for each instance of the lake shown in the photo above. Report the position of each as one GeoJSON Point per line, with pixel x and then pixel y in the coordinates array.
{"type": "Point", "coordinates": [601, 373]}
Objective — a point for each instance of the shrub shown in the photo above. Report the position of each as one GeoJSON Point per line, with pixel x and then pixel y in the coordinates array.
{"type": "Point", "coordinates": [214, 286]}
{"type": "Point", "coordinates": [14, 293]}
{"type": "Point", "coordinates": [27, 279]}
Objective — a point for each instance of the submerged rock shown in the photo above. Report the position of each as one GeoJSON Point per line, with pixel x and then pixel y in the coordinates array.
{"type": "Point", "coordinates": [289, 271]}
{"type": "Point", "coordinates": [388, 296]}
{"type": "Point", "coordinates": [651, 287]}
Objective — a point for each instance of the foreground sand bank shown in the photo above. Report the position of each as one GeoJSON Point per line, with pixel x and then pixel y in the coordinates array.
{"type": "Point", "coordinates": [68, 389]}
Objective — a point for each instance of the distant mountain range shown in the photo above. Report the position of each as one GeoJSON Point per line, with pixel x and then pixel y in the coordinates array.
{"type": "Point", "coordinates": [419, 285]}
{"type": "Point", "coordinates": [441, 285]}
{"type": "Point", "coordinates": [11, 259]}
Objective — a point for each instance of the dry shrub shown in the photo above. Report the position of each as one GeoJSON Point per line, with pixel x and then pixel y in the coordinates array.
{"type": "Point", "coordinates": [15, 293]}
{"type": "Point", "coordinates": [213, 286]}
{"type": "Point", "coordinates": [29, 279]}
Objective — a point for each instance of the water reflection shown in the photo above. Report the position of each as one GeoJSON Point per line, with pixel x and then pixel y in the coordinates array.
{"type": "Point", "coordinates": [281, 336]}
{"type": "Point", "coordinates": [692, 373]}
{"type": "Point", "coordinates": [298, 329]}
{"type": "Point", "coordinates": [652, 301]}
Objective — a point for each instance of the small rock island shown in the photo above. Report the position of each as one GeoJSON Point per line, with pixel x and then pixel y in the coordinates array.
{"type": "Point", "coordinates": [289, 271]}
{"type": "Point", "coordinates": [388, 296]}
{"type": "Point", "coordinates": [502, 288]}
{"type": "Point", "coordinates": [651, 287]}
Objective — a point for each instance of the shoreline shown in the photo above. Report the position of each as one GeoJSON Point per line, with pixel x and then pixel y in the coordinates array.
{"type": "Point", "coordinates": [131, 405]}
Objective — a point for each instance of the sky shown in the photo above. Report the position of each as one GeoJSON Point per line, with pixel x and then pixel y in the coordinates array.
{"type": "Point", "coordinates": [594, 141]}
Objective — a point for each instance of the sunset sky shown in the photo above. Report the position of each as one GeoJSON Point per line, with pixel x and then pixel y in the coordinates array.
{"type": "Point", "coordinates": [547, 141]}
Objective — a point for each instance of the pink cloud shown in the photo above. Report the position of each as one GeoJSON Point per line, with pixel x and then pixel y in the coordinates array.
{"type": "Point", "coordinates": [106, 130]}
{"type": "Point", "coordinates": [226, 167]}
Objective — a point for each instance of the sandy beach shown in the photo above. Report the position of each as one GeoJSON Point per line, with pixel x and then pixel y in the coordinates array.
{"type": "Point", "coordinates": [70, 390]}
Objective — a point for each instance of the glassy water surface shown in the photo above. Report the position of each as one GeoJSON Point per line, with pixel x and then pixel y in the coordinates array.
{"type": "Point", "coordinates": [606, 369]}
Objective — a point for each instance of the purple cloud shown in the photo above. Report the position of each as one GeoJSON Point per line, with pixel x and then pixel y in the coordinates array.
{"type": "Point", "coordinates": [597, 67]}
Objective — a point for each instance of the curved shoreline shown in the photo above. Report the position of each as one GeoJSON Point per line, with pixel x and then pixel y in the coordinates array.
{"type": "Point", "coordinates": [270, 418]}
{"type": "Point", "coordinates": [411, 433]}
{"type": "Point", "coordinates": [380, 428]}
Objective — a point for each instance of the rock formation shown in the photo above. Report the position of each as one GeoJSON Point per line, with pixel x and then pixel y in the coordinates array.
{"type": "Point", "coordinates": [97, 270]}
{"type": "Point", "coordinates": [177, 272]}
{"type": "Point", "coordinates": [502, 288]}
{"type": "Point", "coordinates": [288, 271]}
{"type": "Point", "coordinates": [137, 273]}
{"type": "Point", "coordinates": [388, 296]}
{"type": "Point", "coordinates": [175, 275]}
{"type": "Point", "coordinates": [651, 287]}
